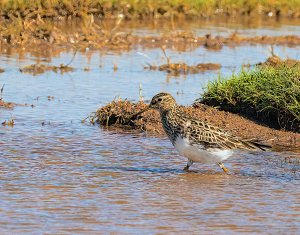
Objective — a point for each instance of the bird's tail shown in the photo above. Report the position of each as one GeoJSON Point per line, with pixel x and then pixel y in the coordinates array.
{"type": "Point", "coordinates": [256, 144]}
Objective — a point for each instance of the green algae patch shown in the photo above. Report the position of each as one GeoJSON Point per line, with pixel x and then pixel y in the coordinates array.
{"type": "Point", "coordinates": [269, 94]}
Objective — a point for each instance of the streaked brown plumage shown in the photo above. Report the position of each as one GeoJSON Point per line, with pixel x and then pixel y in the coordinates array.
{"type": "Point", "coordinates": [195, 139]}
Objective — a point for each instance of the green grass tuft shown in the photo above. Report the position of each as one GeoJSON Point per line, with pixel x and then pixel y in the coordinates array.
{"type": "Point", "coordinates": [270, 95]}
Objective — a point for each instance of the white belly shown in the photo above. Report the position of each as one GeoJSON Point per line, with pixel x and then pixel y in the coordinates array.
{"type": "Point", "coordinates": [199, 154]}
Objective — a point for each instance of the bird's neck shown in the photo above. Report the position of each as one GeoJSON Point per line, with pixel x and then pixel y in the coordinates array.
{"type": "Point", "coordinates": [170, 122]}
{"type": "Point", "coordinates": [167, 112]}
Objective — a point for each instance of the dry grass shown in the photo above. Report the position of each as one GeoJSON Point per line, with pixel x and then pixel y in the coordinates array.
{"type": "Point", "coordinates": [121, 113]}
{"type": "Point", "coordinates": [145, 8]}
{"type": "Point", "coordinates": [24, 21]}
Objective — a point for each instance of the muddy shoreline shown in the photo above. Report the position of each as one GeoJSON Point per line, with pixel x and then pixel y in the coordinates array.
{"type": "Point", "coordinates": [115, 115]}
{"type": "Point", "coordinates": [7, 105]}
{"type": "Point", "coordinates": [124, 41]}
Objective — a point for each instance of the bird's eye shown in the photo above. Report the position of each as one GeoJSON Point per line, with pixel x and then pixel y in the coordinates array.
{"type": "Point", "coordinates": [159, 99]}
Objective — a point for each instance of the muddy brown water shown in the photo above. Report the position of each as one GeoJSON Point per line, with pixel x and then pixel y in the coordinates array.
{"type": "Point", "coordinates": [59, 176]}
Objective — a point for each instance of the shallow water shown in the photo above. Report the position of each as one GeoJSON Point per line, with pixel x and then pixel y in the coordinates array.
{"type": "Point", "coordinates": [224, 27]}
{"type": "Point", "coordinates": [58, 175]}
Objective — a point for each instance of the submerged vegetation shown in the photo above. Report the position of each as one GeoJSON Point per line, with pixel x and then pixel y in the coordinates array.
{"type": "Point", "coordinates": [270, 94]}
{"type": "Point", "coordinates": [176, 69]}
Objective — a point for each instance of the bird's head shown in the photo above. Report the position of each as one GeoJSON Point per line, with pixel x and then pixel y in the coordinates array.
{"type": "Point", "coordinates": [162, 102]}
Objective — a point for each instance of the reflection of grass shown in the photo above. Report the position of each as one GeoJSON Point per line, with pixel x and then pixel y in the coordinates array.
{"type": "Point", "coordinates": [133, 8]}
{"type": "Point", "coordinates": [42, 68]}
{"type": "Point", "coordinates": [270, 94]}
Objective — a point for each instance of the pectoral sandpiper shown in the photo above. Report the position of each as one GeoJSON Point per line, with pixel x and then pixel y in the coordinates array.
{"type": "Point", "coordinates": [197, 140]}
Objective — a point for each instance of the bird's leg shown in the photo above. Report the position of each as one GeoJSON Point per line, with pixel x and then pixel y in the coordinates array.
{"type": "Point", "coordinates": [189, 163]}
{"type": "Point", "coordinates": [220, 164]}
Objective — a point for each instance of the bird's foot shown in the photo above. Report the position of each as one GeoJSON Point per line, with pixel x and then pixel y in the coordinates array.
{"type": "Point", "coordinates": [220, 164]}
{"type": "Point", "coordinates": [186, 168]}
{"type": "Point", "coordinates": [189, 163]}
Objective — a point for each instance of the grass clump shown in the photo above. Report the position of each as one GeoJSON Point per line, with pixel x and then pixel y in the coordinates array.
{"type": "Point", "coordinates": [121, 113]}
{"type": "Point", "coordinates": [117, 112]}
{"type": "Point", "coordinates": [268, 94]}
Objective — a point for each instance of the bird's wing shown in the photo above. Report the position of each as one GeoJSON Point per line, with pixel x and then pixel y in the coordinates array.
{"type": "Point", "coordinates": [210, 136]}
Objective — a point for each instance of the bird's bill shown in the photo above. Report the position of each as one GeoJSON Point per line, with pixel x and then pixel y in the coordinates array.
{"type": "Point", "coordinates": [142, 111]}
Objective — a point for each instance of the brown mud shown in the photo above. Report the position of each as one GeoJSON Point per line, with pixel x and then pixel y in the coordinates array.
{"type": "Point", "coordinates": [187, 40]}
{"type": "Point", "coordinates": [8, 105]}
{"type": "Point", "coordinates": [120, 114]}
